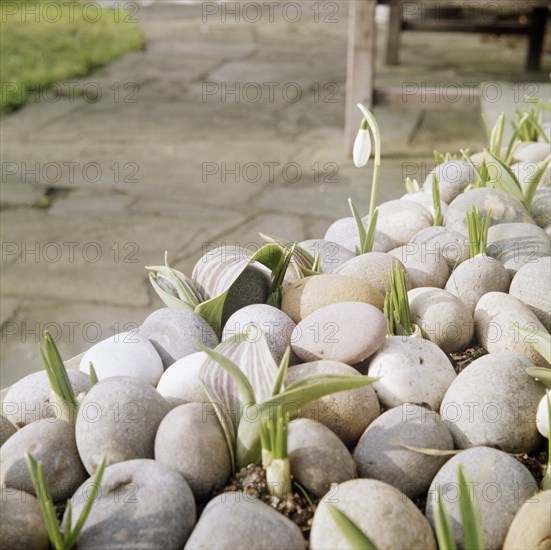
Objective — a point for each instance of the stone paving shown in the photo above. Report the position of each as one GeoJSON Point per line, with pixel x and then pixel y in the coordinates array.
{"type": "Point", "coordinates": [160, 155]}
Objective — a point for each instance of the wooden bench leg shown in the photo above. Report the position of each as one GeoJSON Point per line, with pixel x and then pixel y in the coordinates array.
{"type": "Point", "coordinates": [360, 66]}
{"type": "Point", "coordinates": [537, 33]}
{"type": "Point", "coordinates": [393, 33]}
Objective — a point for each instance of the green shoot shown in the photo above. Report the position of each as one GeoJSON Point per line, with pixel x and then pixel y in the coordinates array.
{"type": "Point", "coordinates": [436, 203]}
{"type": "Point", "coordinates": [442, 158]}
{"type": "Point", "coordinates": [61, 390]}
{"type": "Point", "coordinates": [396, 306]}
{"type": "Point", "coordinates": [528, 124]}
{"type": "Point", "coordinates": [496, 136]}
{"type": "Point", "coordinates": [93, 375]}
{"type": "Point", "coordinates": [281, 372]}
{"type": "Point", "coordinates": [278, 276]}
{"type": "Point", "coordinates": [478, 232]}
{"type": "Point", "coordinates": [443, 525]}
{"type": "Point", "coordinates": [412, 185]}
{"type": "Point", "coordinates": [66, 540]}
{"type": "Point", "coordinates": [273, 439]}
{"type": "Point", "coordinates": [355, 537]}
{"type": "Point", "coordinates": [316, 266]}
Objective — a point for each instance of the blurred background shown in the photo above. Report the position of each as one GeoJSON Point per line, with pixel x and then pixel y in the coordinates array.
{"type": "Point", "coordinates": [132, 128]}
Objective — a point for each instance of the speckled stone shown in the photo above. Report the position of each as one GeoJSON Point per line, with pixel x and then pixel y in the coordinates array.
{"type": "Point", "coordinates": [500, 484]}
{"type": "Point", "coordinates": [124, 354]}
{"type": "Point", "coordinates": [347, 413]}
{"type": "Point", "coordinates": [119, 417]}
{"type": "Point", "coordinates": [453, 178]}
{"type": "Point", "coordinates": [531, 528]}
{"type": "Point", "coordinates": [541, 207]}
{"type": "Point", "coordinates": [332, 254]}
{"type": "Point", "coordinates": [453, 246]}
{"type": "Point", "coordinates": [142, 504]}
{"type": "Point", "coordinates": [517, 244]}
{"type": "Point", "coordinates": [348, 332]}
{"type": "Point", "coordinates": [442, 317]}
{"type": "Point", "coordinates": [505, 209]}
{"type": "Point", "coordinates": [22, 526]}
{"type": "Point", "coordinates": [312, 293]}
{"type": "Point", "coordinates": [28, 400]}
{"type": "Point", "coordinates": [530, 151]}
{"type": "Point", "coordinates": [51, 442]}
{"type": "Point", "coordinates": [173, 332]}
{"type": "Point", "coordinates": [493, 402]}
{"type": "Point", "coordinates": [411, 370]}
{"type": "Point", "coordinates": [424, 267]}
{"type": "Point", "coordinates": [379, 455]}
{"type": "Point", "coordinates": [372, 268]}
{"type": "Point", "coordinates": [237, 520]}
{"type": "Point", "coordinates": [190, 440]}
{"type": "Point", "coordinates": [379, 510]}
{"type": "Point", "coordinates": [532, 286]}
{"type": "Point", "coordinates": [425, 200]}
{"type": "Point", "coordinates": [498, 318]}
{"type": "Point", "coordinates": [317, 456]}
{"type": "Point", "coordinates": [276, 325]}
{"type": "Point", "coordinates": [475, 277]}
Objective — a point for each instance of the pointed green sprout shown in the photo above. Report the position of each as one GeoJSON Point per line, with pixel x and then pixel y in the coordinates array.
{"type": "Point", "coordinates": [367, 237]}
{"type": "Point", "coordinates": [412, 185]}
{"type": "Point", "coordinates": [254, 389]}
{"type": "Point", "coordinates": [436, 203]}
{"type": "Point", "coordinates": [278, 276]}
{"type": "Point", "coordinates": [496, 136]}
{"type": "Point", "coordinates": [355, 537]}
{"type": "Point", "coordinates": [478, 232]}
{"type": "Point", "coordinates": [62, 393]}
{"type": "Point", "coordinates": [528, 125]}
{"type": "Point", "coordinates": [473, 535]}
{"type": "Point", "coordinates": [273, 438]}
{"type": "Point", "coordinates": [441, 158]}
{"type": "Point", "coordinates": [67, 539]}
{"type": "Point", "coordinates": [541, 342]}
{"type": "Point", "coordinates": [93, 375]}
{"type": "Point", "coordinates": [396, 304]}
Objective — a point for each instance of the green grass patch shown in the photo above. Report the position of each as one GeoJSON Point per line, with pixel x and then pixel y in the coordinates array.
{"type": "Point", "coordinates": [48, 41]}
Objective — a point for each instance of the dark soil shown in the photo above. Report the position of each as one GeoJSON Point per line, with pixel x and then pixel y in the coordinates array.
{"type": "Point", "coordinates": [535, 461]}
{"type": "Point", "coordinates": [299, 509]}
{"type": "Point", "coordinates": [462, 359]}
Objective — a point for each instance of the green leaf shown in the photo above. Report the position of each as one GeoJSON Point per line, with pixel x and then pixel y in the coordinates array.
{"type": "Point", "coordinates": [443, 525]}
{"type": "Point", "coordinates": [295, 396]}
{"type": "Point", "coordinates": [93, 375]}
{"type": "Point", "coordinates": [278, 276]}
{"type": "Point", "coordinates": [496, 137]}
{"type": "Point", "coordinates": [436, 203]}
{"type": "Point", "coordinates": [396, 309]}
{"type": "Point", "coordinates": [539, 340]}
{"type": "Point", "coordinates": [357, 539]}
{"type": "Point", "coordinates": [371, 228]}
{"type": "Point", "coordinates": [45, 501]}
{"type": "Point", "coordinates": [301, 260]}
{"type": "Point", "coordinates": [361, 228]}
{"type": "Point", "coordinates": [532, 182]}
{"type": "Point", "coordinates": [282, 372]}
{"type": "Point", "coordinates": [473, 535]}
{"type": "Point", "coordinates": [90, 500]}
{"type": "Point", "coordinates": [502, 177]}
{"type": "Point", "coordinates": [541, 374]}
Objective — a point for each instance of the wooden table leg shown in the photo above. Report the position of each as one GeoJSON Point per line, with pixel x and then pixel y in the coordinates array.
{"type": "Point", "coordinates": [537, 34]}
{"type": "Point", "coordinates": [360, 66]}
{"type": "Point", "coordinates": [393, 33]}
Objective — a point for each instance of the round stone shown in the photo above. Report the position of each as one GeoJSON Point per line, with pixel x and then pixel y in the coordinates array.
{"type": "Point", "coordinates": [530, 151]}
{"type": "Point", "coordinates": [423, 267]}
{"type": "Point", "coordinates": [238, 520]}
{"type": "Point", "coordinates": [51, 442]}
{"type": "Point", "coordinates": [531, 528]}
{"type": "Point", "coordinates": [500, 484]}
{"type": "Point", "coordinates": [442, 317]}
{"type": "Point", "coordinates": [331, 254]}
{"type": "Point", "coordinates": [28, 400]}
{"type": "Point", "coordinates": [119, 417]}
{"type": "Point", "coordinates": [475, 277]}
{"type": "Point", "coordinates": [312, 293]}
{"type": "Point", "coordinates": [348, 332]}
{"type": "Point", "coordinates": [532, 286]}
{"type": "Point", "coordinates": [7, 429]}
{"type": "Point", "coordinates": [541, 207]}
{"type": "Point", "coordinates": [276, 325]}
{"type": "Point", "coordinates": [493, 402]}
{"type": "Point", "coordinates": [425, 200]}
{"type": "Point", "coordinates": [411, 370]}
{"type": "Point", "coordinates": [379, 510]}
{"type": "Point", "coordinates": [345, 232]}
{"type": "Point", "coordinates": [141, 504]}
{"type": "Point", "coordinates": [505, 209]}
{"type": "Point", "coordinates": [190, 440]}
{"type": "Point", "coordinates": [499, 318]}
{"type": "Point", "coordinates": [380, 454]}
{"type": "Point", "coordinates": [347, 413]}
{"type": "Point", "coordinates": [372, 268]}
{"type": "Point", "coordinates": [517, 244]}
{"type": "Point", "coordinates": [126, 354]}
{"type": "Point", "coordinates": [453, 246]}
{"type": "Point", "coordinates": [22, 526]}
{"type": "Point", "coordinates": [317, 456]}
{"type": "Point", "coordinates": [453, 178]}
{"type": "Point", "coordinates": [181, 384]}
{"type": "Point", "coordinates": [401, 219]}
{"type": "Point", "coordinates": [174, 331]}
